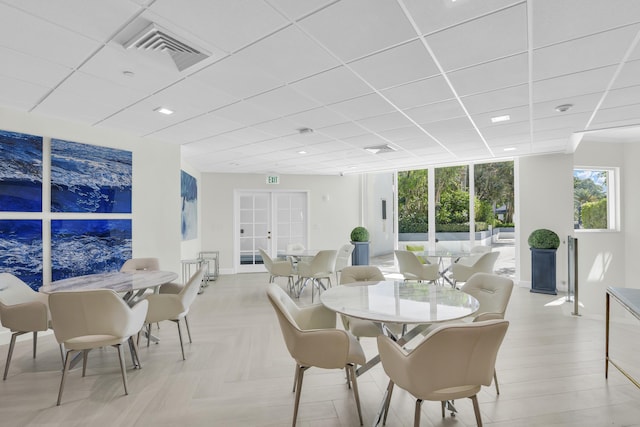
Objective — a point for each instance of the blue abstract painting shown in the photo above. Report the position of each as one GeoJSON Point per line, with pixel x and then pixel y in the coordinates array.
{"type": "Point", "coordinates": [90, 178]}
{"type": "Point", "coordinates": [189, 195]}
{"type": "Point", "coordinates": [21, 250]}
{"type": "Point", "coordinates": [80, 247]}
{"type": "Point", "coordinates": [20, 172]}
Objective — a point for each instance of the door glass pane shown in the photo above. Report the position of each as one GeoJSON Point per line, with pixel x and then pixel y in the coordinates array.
{"type": "Point", "coordinates": [452, 208]}
{"type": "Point", "coordinates": [413, 217]}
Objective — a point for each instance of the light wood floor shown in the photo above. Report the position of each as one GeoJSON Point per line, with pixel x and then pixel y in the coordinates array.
{"type": "Point", "coordinates": [238, 373]}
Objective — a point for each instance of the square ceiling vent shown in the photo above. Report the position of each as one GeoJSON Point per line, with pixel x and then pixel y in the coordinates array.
{"type": "Point", "coordinates": [155, 38]}
{"type": "Point", "coordinates": [379, 149]}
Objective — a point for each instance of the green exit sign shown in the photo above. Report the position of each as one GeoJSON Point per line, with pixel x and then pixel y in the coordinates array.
{"type": "Point", "coordinates": [273, 179]}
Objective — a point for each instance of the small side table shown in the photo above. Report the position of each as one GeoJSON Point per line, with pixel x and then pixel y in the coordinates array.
{"type": "Point", "coordinates": [186, 267]}
{"type": "Point", "coordinates": [212, 259]}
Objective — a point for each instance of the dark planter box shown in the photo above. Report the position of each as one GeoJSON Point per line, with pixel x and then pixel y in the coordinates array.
{"type": "Point", "coordinates": [360, 254]}
{"type": "Point", "coordinates": [543, 271]}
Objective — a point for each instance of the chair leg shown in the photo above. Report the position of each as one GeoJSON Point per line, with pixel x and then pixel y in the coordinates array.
{"type": "Point", "coordinates": [136, 355]}
{"type": "Point", "coordinates": [495, 380]}
{"type": "Point", "coordinates": [148, 334]}
{"type": "Point", "coordinates": [416, 418]}
{"type": "Point", "coordinates": [300, 376]}
{"type": "Point", "coordinates": [122, 367]}
{"type": "Point", "coordinates": [35, 343]}
{"type": "Point", "coordinates": [67, 363]}
{"type": "Point", "coordinates": [387, 402]}
{"type": "Point", "coordinates": [476, 410]}
{"type": "Point", "coordinates": [295, 378]}
{"type": "Point", "coordinates": [11, 346]}
{"type": "Point", "coordinates": [443, 404]}
{"type": "Point", "coordinates": [354, 382]}
{"type": "Point", "coordinates": [85, 358]}
{"type": "Point", "coordinates": [180, 336]}
{"type": "Point", "coordinates": [186, 322]}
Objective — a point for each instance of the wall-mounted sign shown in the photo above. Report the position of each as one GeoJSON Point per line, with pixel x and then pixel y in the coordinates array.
{"type": "Point", "coordinates": [273, 179]}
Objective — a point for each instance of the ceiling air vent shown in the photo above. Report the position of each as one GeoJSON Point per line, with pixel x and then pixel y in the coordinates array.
{"type": "Point", "coordinates": [379, 149]}
{"type": "Point", "coordinates": [156, 38]}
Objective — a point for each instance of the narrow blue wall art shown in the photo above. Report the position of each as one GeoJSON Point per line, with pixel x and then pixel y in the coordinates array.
{"type": "Point", "coordinates": [189, 195]}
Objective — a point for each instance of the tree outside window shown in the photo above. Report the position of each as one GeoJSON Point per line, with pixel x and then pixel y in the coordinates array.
{"type": "Point", "coordinates": [591, 207]}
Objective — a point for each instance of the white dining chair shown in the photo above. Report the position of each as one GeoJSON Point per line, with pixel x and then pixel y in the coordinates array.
{"type": "Point", "coordinates": [89, 319]}
{"type": "Point", "coordinates": [342, 259]}
{"type": "Point", "coordinates": [320, 267]}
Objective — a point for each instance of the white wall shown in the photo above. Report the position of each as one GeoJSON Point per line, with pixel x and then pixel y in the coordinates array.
{"type": "Point", "coordinates": [334, 208]}
{"type": "Point", "coordinates": [545, 195]}
{"type": "Point", "coordinates": [156, 181]}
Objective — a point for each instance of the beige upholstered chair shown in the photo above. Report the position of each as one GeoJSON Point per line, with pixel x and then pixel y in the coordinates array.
{"type": "Point", "coordinates": [452, 362]}
{"type": "Point", "coordinates": [174, 307]}
{"type": "Point", "coordinates": [312, 340]}
{"type": "Point", "coordinates": [278, 268]}
{"type": "Point", "coordinates": [136, 264]}
{"type": "Point", "coordinates": [315, 270]}
{"type": "Point", "coordinates": [22, 310]}
{"type": "Point", "coordinates": [466, 267]}
{"type": "Point", "coordinates": [342, 259]}
{"type": "Point", "coordinates": [89, 319]}
{"type": "Point", "coordinates": [361, 273]}
{"type": "Point", "coordinates": [412, 269]}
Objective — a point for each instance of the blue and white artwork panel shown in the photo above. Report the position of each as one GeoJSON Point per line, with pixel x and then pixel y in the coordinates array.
{"type": "Point", "coordinates": [90, 178]}
{"type": "Point", "coordinates": [21, 250]}
{"type": "Point", "coordinates": [20, 172]}
{"type": "Point", "coordinates": [189, 215]}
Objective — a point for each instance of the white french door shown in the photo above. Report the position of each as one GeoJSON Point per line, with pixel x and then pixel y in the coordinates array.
{"type": "Point", "coordinates": [269, 220]}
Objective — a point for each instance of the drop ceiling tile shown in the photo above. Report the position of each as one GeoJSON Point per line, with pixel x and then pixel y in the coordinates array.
{"type": "Point", "coordinates": [599, 50]}
{"type": "Point", "coordinates": [580, 104]}
{"type": "Point", "coordinates": [629, 75]}
{"type": "Point", "coordinates": [362, 107]}
{"type": "Point", "coordinates": [290, 55]}
{"type": "Point", "coordinates": [505, 130]}
{"type": "Point", "coordinates": [283, 101]}
{"type": "Point", "coordinates": [356, 28]}
{"type": "Point", "coordinates": [550, 18]}
{"type": "Point", "coordinates": [19, 66]}
{"type": "Point", "coordinates": [246, 113]}
{"type": "Point", "coordinates": [215, 144]}
{"type": "Point", "coordinates": [572, 85]}
{"type": "Point", "coordinates": [237, 75]}
{"type": "Point", "coordinates": [295, 9]}
{"type": "Point", "coordinates": [626, 115]}
{"type": "Point", "coordinates": [337, 84]}
{"type": "Point", "coordinates": [195, 94]}
{"type": "Point", "coordinates": [436, 112]}
{"type": "Point", "coordinates": [42, 39]}
{"type": "Point", "coordinates": [316, 118]}
{"type": "Point", "coordinates": [384, 122]}
{"type": "Point", "coordinates": [398, 135]}
{"type": "Point", "coordinates": [197, 128]}
{"type": "Point", "coordinates": [362, 141]}
{"type": "Point", "coordinates": [418, 93]}
{"type": "Point", "coordinates": [516, 114]}
{"type": "Point", "coordinates": [496, 100]}
{"type": "Point", "coordinates": [512, 71]}
{"type": "Point", "coordinates": [504, 33]}
{"type": "Point", "coordinates": [436, 15]}
{"type": "Point", "coordinates": [246, 136]}
{"type": "Point", "coordinates": [94, 18]}
{"type": "Point", "coordinates": [621, 97]}
{"type": "Point", "coordinates": [343, 130]}
{"type": "Point", "coordinates": [573, 122]}
{"type": "Point", "coordinates": [232, 24]}
{"type": "Point", "coordinates": [19, 94]}
{"type": "Point", "coordinates": [396, 66]}
{"type": "Point", "coordinates": [279, 127]}
{"type": "Point", "coordinates": [151, 72]}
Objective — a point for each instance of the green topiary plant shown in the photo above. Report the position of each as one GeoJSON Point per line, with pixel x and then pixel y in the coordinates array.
{"type": "Point", "coordinates": [359, 234]}
{"type": "Point", "coordinates": [543, 239]}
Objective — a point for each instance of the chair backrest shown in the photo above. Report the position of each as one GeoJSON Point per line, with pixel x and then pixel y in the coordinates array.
{"type": "Point", "coordinates": [324, 262]}
{"type": "Point", "coordinates": [342, 259]}
{"type": "Point", "coordinates": [13, 292]}
{"type": "Point", "coordinates": [133, 264]}
{"type": "Point", "coordinates": [492, 292]}
{"type": "Point", "coordinates": [91, 312]}
{"type": "Point", "coordinates": [453, 355]}
{"type": "Point", "coordinates": [408, 262]}
{"type": "Point", "coordinates": [324, 348]}
{"type": "Point", "coordinates": [486, 262]}
{"type": "Point", "coordinates": [266, 259]}
{"type": "Point", "coordinates": [188, 294]}
{"type": "Point", "coordinates": [360, 273]}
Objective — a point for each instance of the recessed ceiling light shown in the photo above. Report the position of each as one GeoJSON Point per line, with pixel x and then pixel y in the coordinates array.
{"type": "Point", "coordinates": [510, 149]}
{"type": "Point", "coordinates": [377, 149]}
{"type": "Point", "coordinates": [304, 131]}
{"type": "Point", "coordinates": [164, 110]}
{"type": "Point", "coordinates": [564, 107]}
{"type": "Point", "coordinates": [128, 73]}
{"type": "Point", "coordinates": [498, 119]}
{"type": "Point", "coordinates": [302, 152]}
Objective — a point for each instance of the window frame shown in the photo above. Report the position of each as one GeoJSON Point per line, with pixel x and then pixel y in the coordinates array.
{"type": "Point", "coordinates": [613, 198]}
